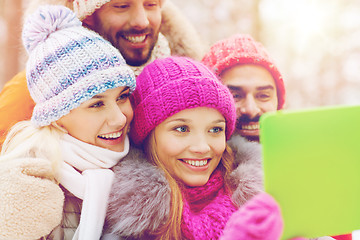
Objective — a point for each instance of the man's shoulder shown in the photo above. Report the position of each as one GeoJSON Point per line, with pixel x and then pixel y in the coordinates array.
{"type": "Point", "coordinates": [16, 104]}
{"type": "Point", "coordinates": [15, 92]}
{"type": "Point", "coordinates": [184, 39]}
{"type": "Point", "coordinates": [18, 80]}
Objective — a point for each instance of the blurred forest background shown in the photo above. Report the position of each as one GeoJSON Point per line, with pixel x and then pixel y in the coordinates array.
{"type": "Point", "coordinates": [315, 43]}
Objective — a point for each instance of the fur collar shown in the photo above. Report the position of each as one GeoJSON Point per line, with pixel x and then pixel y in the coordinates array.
{"type": "Point", "coordinates": [140, 198]}
{"type": "Point", "coordinates": [247, 178]}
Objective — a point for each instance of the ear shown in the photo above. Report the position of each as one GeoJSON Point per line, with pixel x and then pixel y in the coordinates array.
{"type": "Point", "coordinates": [89, 22]}
{"type": "Point", "coordinates": [59, 126]}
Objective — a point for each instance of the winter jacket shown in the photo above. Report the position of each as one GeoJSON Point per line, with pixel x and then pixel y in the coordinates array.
{"type": "Point", "coordinates": [133, 212]}
{"type": "Point", "coordinates": [15, 101]}
{"type": "Point", "coordinates": [16, 104]}
{"type": "Point", "coordinates": [34, 205]}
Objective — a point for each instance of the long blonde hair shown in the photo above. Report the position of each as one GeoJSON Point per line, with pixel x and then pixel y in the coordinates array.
{"type": "Point", "coordinates": [172, 228]}
{"type": "Point", "coordinates": [26, 141]}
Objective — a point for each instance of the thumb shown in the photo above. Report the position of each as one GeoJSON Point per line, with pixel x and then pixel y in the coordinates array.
{"type": "Point", "coordinates": [37, 167]}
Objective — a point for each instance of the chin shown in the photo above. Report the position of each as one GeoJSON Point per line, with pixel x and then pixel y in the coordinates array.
{"type": "Point", "coordinates": [116, 148]}
{"type": "Point", "coordinates": [197, 182]}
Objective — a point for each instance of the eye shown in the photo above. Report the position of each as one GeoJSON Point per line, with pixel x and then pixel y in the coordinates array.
{"type": "Point", "coordinates": [123, 97]}
{"type": "Point", "coordinates": [152, 4]}
{"type": "Point", "coordinates": [97, 104]}
{"type": "Point", "coordinates": [216, 130]}
{"type": "Point", "coordinates": [263, 96]}
{"type": "Point", "coordinates": [182, 129]}
{"type": "Point", "coordinates": [238, 96]}
{"type": "Point", "coordinates": [121, 6]}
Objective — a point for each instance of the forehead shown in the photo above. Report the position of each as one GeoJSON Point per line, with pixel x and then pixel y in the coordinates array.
{"type": "Point", "coordinates": [247, 75]}
{"type": "Point", "coordinates": [190, 114]}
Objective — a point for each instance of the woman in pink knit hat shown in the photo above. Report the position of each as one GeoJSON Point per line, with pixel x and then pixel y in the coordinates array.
{"type": "Point", "coordinates": [183, 117]}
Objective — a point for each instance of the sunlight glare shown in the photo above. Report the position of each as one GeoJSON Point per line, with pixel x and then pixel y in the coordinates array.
{"type": "Point", "coordinates": [301, 21]}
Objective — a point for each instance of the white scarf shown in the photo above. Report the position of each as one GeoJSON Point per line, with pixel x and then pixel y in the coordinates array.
{"type": "Point", "coordinates": [85, 173]}
{"type": "Point", "coordinates": [160, 50]}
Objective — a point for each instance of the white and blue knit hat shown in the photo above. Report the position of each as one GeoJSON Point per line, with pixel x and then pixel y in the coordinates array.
{"type": "Point", "coordinates": [68, 64]}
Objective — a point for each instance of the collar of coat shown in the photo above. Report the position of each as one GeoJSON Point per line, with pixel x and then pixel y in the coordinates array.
{"type": "Point", "coordinates": [140, 197]}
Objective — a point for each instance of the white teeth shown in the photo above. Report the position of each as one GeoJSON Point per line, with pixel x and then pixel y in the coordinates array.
{"type": "Point", "coordinates": [250, 127]}
{"type": "Point", "coordinates": [135, 39]}
{"type": "Point", "coordinates": [200, 163]}
{"type": "Point", "coordinates": [111, 135]}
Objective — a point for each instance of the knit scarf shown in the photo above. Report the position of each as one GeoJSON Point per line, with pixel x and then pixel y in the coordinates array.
{"type": "Point", "coordinates": [160, 50]}
{"type": "Point", "coordinates": [206, 209]}
{"type": "Point", "coordinates": [85, 173]}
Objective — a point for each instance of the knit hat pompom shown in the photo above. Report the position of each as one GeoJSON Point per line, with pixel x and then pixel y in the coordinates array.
{"type": "Point", "coordinates": [68, 64]}
{"type": "Point", "coordinates": [241, 49]}
{"type": "Point", "coordinates": [46, 21]}
{"type": "Point", "coordinates": [169, 85]}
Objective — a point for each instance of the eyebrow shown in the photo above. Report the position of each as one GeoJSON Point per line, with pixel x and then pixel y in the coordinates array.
{"type": "Point", "coordinates": [237, 88]}
{"type": "Point", "coordinates": [98, 96]}
{"type": "Point", "coordinates": [265, 87]}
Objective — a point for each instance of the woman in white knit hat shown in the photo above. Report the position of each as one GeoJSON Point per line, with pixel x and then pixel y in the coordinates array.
{"type": "Point", "coordinates": [56, 168]}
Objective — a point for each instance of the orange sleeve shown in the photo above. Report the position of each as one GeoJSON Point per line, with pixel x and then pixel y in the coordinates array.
{"type": "Point", "coordinates": [16, 104]}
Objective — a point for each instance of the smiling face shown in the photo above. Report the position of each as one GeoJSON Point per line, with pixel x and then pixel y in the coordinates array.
{"type": "Point", "coordinates": [190, 144]}
{"type": "Point", "coordinates": [132, 26]}
{"type": "Point", "coordinates": [102, 121]}
{"type": "Point", "coordinates": [254, 91]}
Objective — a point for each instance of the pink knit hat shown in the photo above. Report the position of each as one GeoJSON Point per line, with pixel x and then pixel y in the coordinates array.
{"type": "Point", "coordinates": [243, 49]}
{"type": "Point", "coordinates": [84, 8]}
{"type": "Point", "coordinates": [170, 85]}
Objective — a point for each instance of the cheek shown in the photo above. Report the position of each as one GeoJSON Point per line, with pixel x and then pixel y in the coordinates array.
{"type": "Point", "coordinates": [169, 148]}
{"type": "Point", "coordinates": [85, 130]}
{"type": "Point", "coordinates": [218, 146]}
{"type": "Point", "coordinates": [270, 106]}
{"type": "Point", "coordinates": [128, 112]}
{"type": "Point", "coordinates": [116, 23]}
{"type": "Point", "coordinates": [155, 19]}
{"type": "Point", "coordinates": [110, 24]}
{"type": "Point", "coordinates": [238, 107]}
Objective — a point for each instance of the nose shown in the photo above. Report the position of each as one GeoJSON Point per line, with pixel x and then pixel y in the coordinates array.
{"type": "Point", "coordinates": [199, 144]}
{"type": "Point", "coordinates": [139, 18]}
{"type": "Point", "coordinates": [249, 107]}
{"type": "Point", "coordinates": [116, 118]}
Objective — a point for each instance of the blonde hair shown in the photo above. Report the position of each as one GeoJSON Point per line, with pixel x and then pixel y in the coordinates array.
{"type": "Point", "coordinates": [172, 228]}
{"type": "Point", "coordinates": [26, 141]}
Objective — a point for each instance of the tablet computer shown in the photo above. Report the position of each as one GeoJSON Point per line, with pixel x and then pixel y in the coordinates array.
{"type": "Point", "coordinates": [311, 161]}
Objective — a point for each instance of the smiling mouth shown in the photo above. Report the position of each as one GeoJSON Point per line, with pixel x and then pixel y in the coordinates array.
{"type": "Point", "coordinates": [111, 136]}
{"type": "Point", "coordinates": [196, 163]}
{"type": "Point", "coordinates": [135, 39]}
{"type": "Point", "coordinates": [252, 126]}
